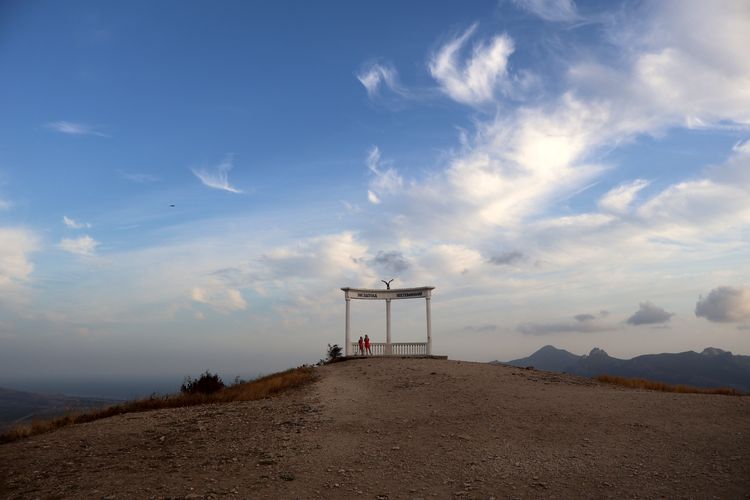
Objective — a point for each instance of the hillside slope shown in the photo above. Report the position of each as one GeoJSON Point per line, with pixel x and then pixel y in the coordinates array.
{"type": "Point", "coordinates": [402, 429]}
{"type": "Point", "coordinates": [19, 406]}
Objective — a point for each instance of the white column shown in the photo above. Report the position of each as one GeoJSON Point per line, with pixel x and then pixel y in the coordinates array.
{"type": "Point", "coordinates": [429, 327]}
{"type": "Point", "coordinates": [388, 326]}
{"type": "Point", "coordinates": [348, 343]}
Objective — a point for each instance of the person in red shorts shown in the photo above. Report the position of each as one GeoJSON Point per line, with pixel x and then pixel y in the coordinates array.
{"type": "Point", "coordinates": [361, 346]}
{"type": "Point", "coordinates": [367, 344]}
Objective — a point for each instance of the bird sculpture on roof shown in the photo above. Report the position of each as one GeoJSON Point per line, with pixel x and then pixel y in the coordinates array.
{"type": "Point", "coordinates": [388, 283]}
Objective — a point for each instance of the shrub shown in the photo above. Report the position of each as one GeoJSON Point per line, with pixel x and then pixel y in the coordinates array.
{"type": "Point", "coordinates": [334, 353]}
{"type": "Point", "coordinates": [207, 384]}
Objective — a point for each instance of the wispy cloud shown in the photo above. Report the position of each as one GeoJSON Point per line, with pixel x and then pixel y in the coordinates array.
{"type": "Point", "coordinates": [620, 198]}
{"type": "Point", "coordinates": [476, 80]}
{"type": "Point", "coordinates": [84, 245]}
{"type": "Point", "coordinates": [73, 224]}
{"type": "Point", "coordinates": [582, 323]}
{"type": "Point", "coordinates": [551, 10]}
{"type": "Point", "coordinates": [138, 177]}
{"type": "Point", "coordinates": [385, 180]}
{"type": "Point", "coordinates": [4, 204]}
{"type": "Point", "coordinates": [72, 128]}
{"type": "Point", "coordinates": [217, 177]}
{"type": "Point", "coordinates": [376, 75]}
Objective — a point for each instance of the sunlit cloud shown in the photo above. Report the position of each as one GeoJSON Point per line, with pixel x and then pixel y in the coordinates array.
{"type": "Point", "coordinates": [476, 80]}
{"type": "Point", "coordinates": [16, 245]}
{"type": "Point", "coordinates": [83, 245]}
{"type": "Point", "coordinates": [725, 304]}
{"type": "Point", "coordinates": [620, 198]}
{"type": "Point", "coordinates": [217, 177]}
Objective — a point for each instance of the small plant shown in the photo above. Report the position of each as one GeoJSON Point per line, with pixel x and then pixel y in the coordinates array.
{"type": "Point", "coordinates": [334, 353]}
{"type": "Point", "coordinates": [207, 384]}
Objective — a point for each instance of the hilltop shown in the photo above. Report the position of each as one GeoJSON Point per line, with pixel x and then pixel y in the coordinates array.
{"type": "Point", "coordinates": [396, 428]}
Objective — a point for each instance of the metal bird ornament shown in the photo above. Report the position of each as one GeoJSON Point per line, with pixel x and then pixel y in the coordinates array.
{"type": "Point", "coordinates": [388, 283]}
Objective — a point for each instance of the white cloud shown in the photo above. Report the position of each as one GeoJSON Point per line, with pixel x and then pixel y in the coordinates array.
{"type": "Point", "coordinates": [618, 200]}
{"type": "Point", "coordinates": [725, 304]}
{"type": "Point", "coordinates": [684, 64]}
{"type": "Point", "coordinates": [217, 177]}
{"type": "Point", "coordinates": [15, 247]}
{"type": "Point", "coordinates": [4, 204]}
{"type": "Point", "coordinates": [376, 75]}
{"type": "Point", "coordinates": [84, 245]}
{"type": "Point", "coordinates": [551, 10]}
{"type": "Point", "coordinates": [72, 128]}
{"type": "Point", "coordinates": [451, 259]}
{"type": "Point", "coordinates": [73, 224]}
{"type": "Point", "coordinates": [372, 197]}
{"type": "Point", "coordinates": [697, 205]}
{"type": "Point", "coordinates": [220, 298]}
{"type": "Point", "coordinates": [476, 80]}
{"type": "Point", "coordinates": [649, 314]}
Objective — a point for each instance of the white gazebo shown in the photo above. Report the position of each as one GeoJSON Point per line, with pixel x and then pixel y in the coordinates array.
{"type": "Point", "coordinates": [388, 348]}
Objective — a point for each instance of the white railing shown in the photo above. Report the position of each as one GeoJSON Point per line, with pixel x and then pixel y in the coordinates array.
{"type": "Point", "coordinates": [397, 349]}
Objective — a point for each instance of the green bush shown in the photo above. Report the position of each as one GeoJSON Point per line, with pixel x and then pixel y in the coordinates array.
{"type": "Point", "coordinates": [334, 353]}
{"type": "Point", "coordinates": [206, 384]}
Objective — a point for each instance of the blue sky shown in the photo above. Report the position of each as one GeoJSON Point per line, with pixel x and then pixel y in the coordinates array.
{"type": "Point", "coordinates": [568, 174]}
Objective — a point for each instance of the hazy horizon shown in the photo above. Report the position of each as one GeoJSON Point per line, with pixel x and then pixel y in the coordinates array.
{"type": "Point", "coordinates": [187, 185]}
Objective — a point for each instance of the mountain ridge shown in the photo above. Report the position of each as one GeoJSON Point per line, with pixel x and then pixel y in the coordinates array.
{"type": "Point", "coordinates": [712, 367]}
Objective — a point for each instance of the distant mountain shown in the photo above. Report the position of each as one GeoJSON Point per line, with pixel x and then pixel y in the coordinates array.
{"type": "Point", "coordinates": [710, 368]}
{"type": "Point", "coordinates": [548, 358]}
{"type": "Point", "coordinates": [17, 406]}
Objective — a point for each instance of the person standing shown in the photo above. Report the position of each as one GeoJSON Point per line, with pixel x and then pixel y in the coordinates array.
{"type": "Point", "coordinates": [361, 346]}
{"type": "Point", "coordinates": [367, 344]}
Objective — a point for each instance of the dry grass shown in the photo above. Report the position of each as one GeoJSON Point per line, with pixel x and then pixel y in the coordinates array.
{"type": "Point", "coordinates": [244, 391]}
{"type": "Point", "coordinates": [639, 383]}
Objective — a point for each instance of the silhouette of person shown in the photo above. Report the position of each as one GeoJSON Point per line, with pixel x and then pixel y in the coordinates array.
{"type": "Point", "coordinates": [361, 346]}
{"type": "Point", "coordinates": [367, 344]}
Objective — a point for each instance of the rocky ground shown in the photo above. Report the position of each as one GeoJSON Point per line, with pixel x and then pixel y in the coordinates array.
{"type": "Point", "coordinates": [397, 428]}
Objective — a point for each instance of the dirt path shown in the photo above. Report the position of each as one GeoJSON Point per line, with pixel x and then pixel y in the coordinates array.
{"type": "Point", "coordinates": [404, 429]}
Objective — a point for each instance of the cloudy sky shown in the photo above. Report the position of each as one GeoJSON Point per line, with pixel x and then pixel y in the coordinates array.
{"type": "Point", "coordinates": [187, 185]}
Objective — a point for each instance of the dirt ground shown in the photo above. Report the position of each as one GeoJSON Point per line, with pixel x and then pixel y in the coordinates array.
{"type": "Point", "coordinates": [399, 428]}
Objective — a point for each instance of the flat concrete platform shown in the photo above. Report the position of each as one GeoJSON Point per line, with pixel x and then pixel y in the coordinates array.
{"type": "Point", "coordinates": [396, 356]}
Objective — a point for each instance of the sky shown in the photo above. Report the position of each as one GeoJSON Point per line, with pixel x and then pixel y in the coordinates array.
{"type": "Point", "coordinates": [187, 185]}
